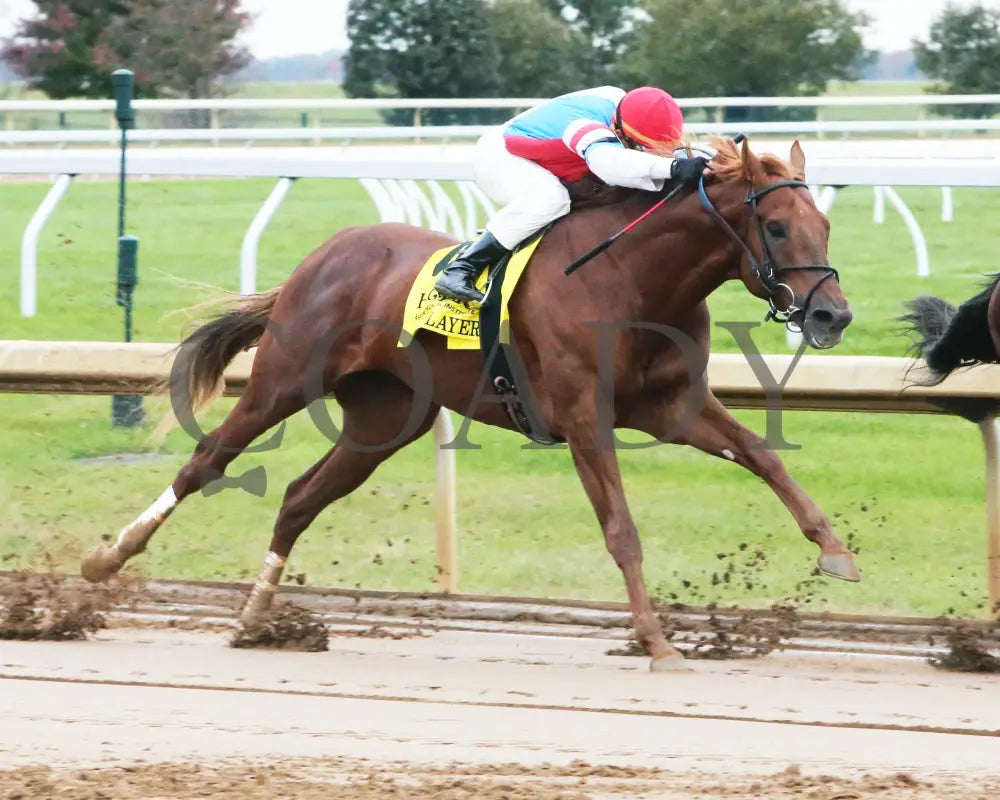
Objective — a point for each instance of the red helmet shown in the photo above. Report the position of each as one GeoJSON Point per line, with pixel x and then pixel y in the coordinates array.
{"type": "Point", "coordinates": [650, 117]}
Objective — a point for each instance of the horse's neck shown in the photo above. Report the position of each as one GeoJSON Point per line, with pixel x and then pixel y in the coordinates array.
{"type": "Point", "coordinates": [681, 254]}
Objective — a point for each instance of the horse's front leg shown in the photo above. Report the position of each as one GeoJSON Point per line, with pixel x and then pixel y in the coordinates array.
{"type": "Point", "coordinates": [716, 432]}
{"type": "Point", "coordinates": [597, 467]}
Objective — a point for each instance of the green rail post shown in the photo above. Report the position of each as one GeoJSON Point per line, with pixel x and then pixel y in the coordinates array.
{"type": "Point", "coordinates": [126, 410]}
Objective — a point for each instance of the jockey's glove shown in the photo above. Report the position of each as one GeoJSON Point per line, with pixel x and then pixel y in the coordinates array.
{"type": "Point", "coordinates": [688, 170]}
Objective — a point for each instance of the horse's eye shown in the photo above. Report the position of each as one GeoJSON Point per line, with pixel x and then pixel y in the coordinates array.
{"type": "Point", "coordinates": [777, 229]}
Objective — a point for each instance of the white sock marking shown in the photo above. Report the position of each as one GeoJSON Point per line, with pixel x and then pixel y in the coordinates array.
{"type": "Point", "coordinates": [163, 504]}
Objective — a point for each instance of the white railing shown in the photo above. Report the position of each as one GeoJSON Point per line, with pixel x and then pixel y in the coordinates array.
{"type": "Point", "coordinates": [316, 135]}
{"type": "Point", "coordinates": [818, 383]}
{"type": "Point", "coordinates": [716, 105]}
{"type": "Point", "coordinates": [391, 174]}
{"type": "Point", "coordinates": [345, 103]}
{"type": "Point", "coordinates": [243, 135]}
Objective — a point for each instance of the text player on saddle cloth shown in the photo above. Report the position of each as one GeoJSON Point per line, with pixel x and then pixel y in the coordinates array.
{"type": "Point", "coordinates": [527, 163]}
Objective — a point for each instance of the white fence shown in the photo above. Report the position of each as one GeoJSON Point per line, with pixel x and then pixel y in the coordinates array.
{"type": "Point", "coordinates": [9, 107]}
{"type": "Point", "coordinates": [317, 135]}
{"type": "Point", "coordinates": [391, 174]}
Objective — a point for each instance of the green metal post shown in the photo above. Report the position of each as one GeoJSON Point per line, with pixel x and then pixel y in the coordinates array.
{"type": "Point", "coordinates": [122, 82]}
{"type": "Point", "coordinates": [126, 410]}
{"type": "Point", "coordinates": [128, 278]}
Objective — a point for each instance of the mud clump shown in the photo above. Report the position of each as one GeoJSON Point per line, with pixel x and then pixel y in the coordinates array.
{"type": "Point", "coordinates": [285, 626]}
{"type": "Point", "coordinates": [738, 634]}
{"type": "Point", "coordinates": [723, 635]}
{"type": "Point", "coordinates": [379, 632]}
{"type": "Point", "coordinates": [631, 648]}
{"type": "Point", "coordinates": [717, 632]}
{"type": "Point", "coordinates": [48, 606]}
{"type": "Point", "coordinates": [967, 650]}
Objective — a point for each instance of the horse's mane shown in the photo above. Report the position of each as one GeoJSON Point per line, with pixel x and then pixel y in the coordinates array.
{"type": "Point", "coordinates": [727, 166]}
{"type": "Point", "coordinates": [728, 163]}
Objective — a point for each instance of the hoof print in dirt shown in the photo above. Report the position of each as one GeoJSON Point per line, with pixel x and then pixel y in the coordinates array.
{"type": "Point", "coordinates": [285, 627]}
{"type": "Point", "coordinates": [967, 648]}
{"type": "Point", "coordinates": [54, 607]}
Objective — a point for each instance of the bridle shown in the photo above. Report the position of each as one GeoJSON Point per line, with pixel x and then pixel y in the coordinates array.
{"type": "Point", "coordinates": [767, 272]}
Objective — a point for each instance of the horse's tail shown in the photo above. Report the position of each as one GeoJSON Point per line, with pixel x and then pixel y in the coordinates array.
{"type": "Point", "coordinates": [202, 357]}
{"type": "Point", "coordinates": [950, 337]}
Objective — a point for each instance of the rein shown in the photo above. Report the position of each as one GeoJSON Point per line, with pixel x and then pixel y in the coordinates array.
{"type": "Point", "coordinates": [766, 272]}
{"type": "Point", "coordinates": [612, 239]}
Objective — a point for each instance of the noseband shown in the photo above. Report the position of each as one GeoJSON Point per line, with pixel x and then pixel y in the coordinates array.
{"type": "Point", "coordinates": [768, 273]}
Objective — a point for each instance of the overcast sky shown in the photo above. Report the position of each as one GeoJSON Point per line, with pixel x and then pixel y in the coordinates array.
{"type": "Point", "coordinates": [289, 27]}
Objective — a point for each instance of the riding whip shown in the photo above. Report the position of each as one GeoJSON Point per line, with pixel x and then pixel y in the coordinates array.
{"type": "Point", "coordinates": [611, 239]}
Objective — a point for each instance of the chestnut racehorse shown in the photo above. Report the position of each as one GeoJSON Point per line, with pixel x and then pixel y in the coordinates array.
{"type": "Point", "coordinates": [754, 220]}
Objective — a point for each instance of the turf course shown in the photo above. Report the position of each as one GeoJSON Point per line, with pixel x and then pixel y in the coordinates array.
{"type": "Point", "coordinates": [906, 490]}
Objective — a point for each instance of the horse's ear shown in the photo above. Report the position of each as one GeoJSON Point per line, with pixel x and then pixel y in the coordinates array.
{"type": "Point", "coordinates": [798, 161]}
{"type": "Point", "coordinates": [751, 165]}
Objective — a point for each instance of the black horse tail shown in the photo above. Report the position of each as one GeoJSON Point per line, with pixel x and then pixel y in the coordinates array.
{"type": "Point", "coordinates": [949, 337]}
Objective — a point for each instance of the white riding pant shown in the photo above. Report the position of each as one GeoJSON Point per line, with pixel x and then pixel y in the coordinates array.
{"type": "Point", "coordinates": [531, 196]}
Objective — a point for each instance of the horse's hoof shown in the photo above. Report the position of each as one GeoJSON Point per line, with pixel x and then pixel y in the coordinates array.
{"type": "Point", "coordinates": [250, 617]}
{"type": "Point", "coordinates": [259, 602]}
{"type": "Point", "coordinates": [839, 565]}
{"type": "Point", "coordinates": [669, 664]}
{"type": "Point", "coordinates": [100, 563]}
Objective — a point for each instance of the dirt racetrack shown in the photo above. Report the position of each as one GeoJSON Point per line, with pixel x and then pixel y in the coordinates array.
{"type": "Point", "coordinates": [433, 712]}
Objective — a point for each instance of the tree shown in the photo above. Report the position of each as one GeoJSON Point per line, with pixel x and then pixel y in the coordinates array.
{"type": "Point", "coordinates": [537, 50]}
{"type": "Point", "coordinates": [604, 30]}
{"type": "Point", "coordinates": [422, 48]}
{"type": "Point", "coordinates": [963, 54]}
{"type": "Point", "coordinates": [767, 47]}
{"type": "Point", "coordinates": [175, 47]}
{"type": "Point", "coordinates": [55, 50]}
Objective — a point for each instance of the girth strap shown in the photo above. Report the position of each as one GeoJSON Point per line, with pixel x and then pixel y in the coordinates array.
{"type": "Point", "coordinates": [495, 354]}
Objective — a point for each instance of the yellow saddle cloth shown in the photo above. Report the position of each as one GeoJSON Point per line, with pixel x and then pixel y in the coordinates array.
{"type": "Point", "coordinates": [426, 308]}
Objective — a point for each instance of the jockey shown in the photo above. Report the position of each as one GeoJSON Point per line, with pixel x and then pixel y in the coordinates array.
{"type": "Point", "coordinates": [622, 138]}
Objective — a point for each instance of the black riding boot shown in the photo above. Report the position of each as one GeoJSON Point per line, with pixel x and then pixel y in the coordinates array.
{"type": "Point", "coordinates": [458, 280]}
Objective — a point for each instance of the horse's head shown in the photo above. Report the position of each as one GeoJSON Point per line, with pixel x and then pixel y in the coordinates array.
{"type": "Point", "coordinates": [784, 241]}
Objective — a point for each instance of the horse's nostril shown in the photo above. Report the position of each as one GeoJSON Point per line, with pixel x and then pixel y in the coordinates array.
{"type": "Point", "coordinates": [822, 316]}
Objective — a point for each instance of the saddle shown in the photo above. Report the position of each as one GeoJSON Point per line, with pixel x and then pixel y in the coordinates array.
{"type": "Point", "coordinates": [486, 328]}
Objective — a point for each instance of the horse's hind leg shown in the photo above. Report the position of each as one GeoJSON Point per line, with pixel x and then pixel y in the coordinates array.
{"type": "Point", "coordinates": [263, 404]}
{"type": "Point", "coordinates": [718, 433]}
{"type": "Point", "coordinates": [377, 409]}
